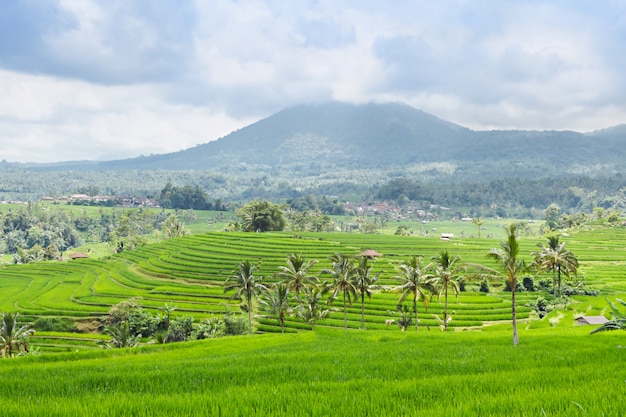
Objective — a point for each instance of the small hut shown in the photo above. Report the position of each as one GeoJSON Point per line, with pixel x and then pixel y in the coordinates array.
{"type": "Point", "coordinates": [78, 255]}
{"type": "Point", "coordinates": [586, 320]}
{"type": "Point", "coordinates": [370, 253]}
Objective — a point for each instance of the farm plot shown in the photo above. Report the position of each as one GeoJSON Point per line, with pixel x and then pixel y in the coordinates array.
{"type": "Point", "coordinates": [190, 272]}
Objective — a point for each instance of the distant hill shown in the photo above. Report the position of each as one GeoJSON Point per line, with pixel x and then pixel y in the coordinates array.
{"type": "Point", "coordinates": [388, 135]}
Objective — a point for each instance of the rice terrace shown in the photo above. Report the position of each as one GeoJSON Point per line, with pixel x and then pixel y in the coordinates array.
{"type": "Point", "coordinates": [362, 354]}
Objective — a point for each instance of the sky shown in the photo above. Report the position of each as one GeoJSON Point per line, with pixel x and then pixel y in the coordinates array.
{"type": "Point", "coordinates": [92, 79]}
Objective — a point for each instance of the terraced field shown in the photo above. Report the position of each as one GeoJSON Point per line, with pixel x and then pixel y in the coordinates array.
{"type": "Point", "coordinates": [189, 272]}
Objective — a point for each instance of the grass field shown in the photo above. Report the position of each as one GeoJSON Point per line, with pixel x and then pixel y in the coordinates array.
{"type": "Point", "coordinates": [553, 372]}
{"type": "Point", "coordinates": [557, 370]}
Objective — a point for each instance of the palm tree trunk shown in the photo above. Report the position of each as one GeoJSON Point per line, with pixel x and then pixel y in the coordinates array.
{"type": "Point", "coordinates": [415, 310]}
{"type": "Point", "coordinates": [514, 314]}
{"type": "Point", "coordinates": [362, 311]}
{"type": "Point", "coordinates": [250, 314]}
{"type": "Point", "coordinates": [345, 312]}
{"type": "Point", "coordinates": [445, 312]}
{"type": "Point", "coordinates": [559, 274]}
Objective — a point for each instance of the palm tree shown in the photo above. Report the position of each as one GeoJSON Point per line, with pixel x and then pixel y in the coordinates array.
{"type": "Point", "coordinates": [507, 257]}
{"type": "Point", "coordinates": [556, 258]}
{"type": "Point", "coordinates": [311, 306]}
{"type": "Point", "coordinates": [478, 222]}
{"type": "Point", "coordinates": [13, 337]}
{"type": "Point", "coordinates": [415, 282]}
{"type": "Point", "coordinates": [343, 272]}
{"type": "Point", "coordinates": [447, 272]}
{"type": "Point", "coordinates": [275, 302]}
{"type": "Point", "coordinates": [246, 285]}
{"type": "Point", "coordinates": [364, 282]}
{"type": "Point", "coordinates": [296, 273]}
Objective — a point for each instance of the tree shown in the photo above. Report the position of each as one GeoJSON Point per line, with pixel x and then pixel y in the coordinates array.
{"type": "Point", "coordinates": [447, 273]}
{"type": "Point", "coordinates": [172, 227]}
{"type": "Point", "coordinates": [121, 335]}
{"type": "Point", "coordinates": [415, 282]}
{"type": "Point", "coordinates": [478, 222]}
{"type": "Point", "coordinates": [275, 302]}
{"type": "Point", "coordinates": [13, 337]}
{"type": "Point", "coordinates": [552, 215]}
{"type": "Point", "coordinates": [365, 282]}
{"type": "Point", "coordinates": [556, 258]}
{"type": "Point", "coordinates": [296, 273]}
{"type": "Point", "coordinates": [260, 216]}
{"type": "Point", "coordinates": [344, 273]}
{"type": "Point", "coordinates": [511, 267]}
{"type": "Point", "coordinates": [246, 285]}
{"type": "Point", "coordinates": [312, 307]}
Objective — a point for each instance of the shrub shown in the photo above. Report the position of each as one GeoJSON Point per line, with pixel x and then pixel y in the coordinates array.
{"type": "Point", "coordinates": [180, 329]}
{"type": "Point", "coordinates": [234, 325]}
{"type": "Point", "coordinates": [55, 324]}
{"type": "Point", "coordinates": [528, 284]}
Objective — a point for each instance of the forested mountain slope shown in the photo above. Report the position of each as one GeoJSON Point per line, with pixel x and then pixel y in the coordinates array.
{"type": "Point", "coordinates": [386, 136]}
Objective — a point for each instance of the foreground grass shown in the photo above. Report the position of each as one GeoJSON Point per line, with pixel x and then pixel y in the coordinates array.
{"type": "Point", "coordinates": [554, 372]}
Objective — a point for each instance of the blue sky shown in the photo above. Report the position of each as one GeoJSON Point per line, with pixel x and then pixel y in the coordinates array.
{"type": "Point", "coordinates": [90, 79]}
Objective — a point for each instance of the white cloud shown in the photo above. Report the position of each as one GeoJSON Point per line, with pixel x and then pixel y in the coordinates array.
{"type": "Point", "coordinates": [83, 79]}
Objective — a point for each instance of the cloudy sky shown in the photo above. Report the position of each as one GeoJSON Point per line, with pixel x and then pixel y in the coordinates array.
{"type": "Point", "coordinates": [92, 79]}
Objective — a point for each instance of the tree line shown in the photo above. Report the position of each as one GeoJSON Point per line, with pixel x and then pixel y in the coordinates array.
{"type": "Point", "coordinates": [352, 278]}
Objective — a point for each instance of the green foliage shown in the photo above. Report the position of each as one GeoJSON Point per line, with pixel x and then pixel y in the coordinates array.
{"type": "Point", "coordinates": [13, 336]}
{"type": "Point", "coordinates": [179, 330]}
{"type": "Point", "coordinates": [132, 315]}
{"type": "Point", "coordinates": [187, 197]}
{"type": "Point", "coordinates": [260, 216]}
{"type": "Point", "coordinates": [234, 325]}
{"type": "Point", "coordinates": [55, 324]}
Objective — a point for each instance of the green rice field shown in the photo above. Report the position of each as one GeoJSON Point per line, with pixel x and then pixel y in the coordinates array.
{"type": "Point", "coordinates": [557, 370]}
{"type": "Point", "coordinates": [553, 372]}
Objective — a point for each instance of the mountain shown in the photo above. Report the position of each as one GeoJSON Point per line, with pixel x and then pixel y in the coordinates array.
{"type": "Point", "coordinates": [388, 135]}
{"type": "Point", "coordinates": [334, 133]}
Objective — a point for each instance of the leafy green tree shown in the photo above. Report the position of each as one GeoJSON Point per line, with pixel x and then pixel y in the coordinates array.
{"type": "Point", "coordinates": [13, 337]}
{"type": "Point", "coordinates": [275, 303]}
{"type": "Point", "coordinates": [296, 274]}
{"type": "Point", "coordinates": [139, 321]}
{"type": "Point", "coordinates": [553, 216]}
{"type": "Point", "coordinates": [260, 216]}
{"type": "Point", "coordinates": [312, 305]}
{"type": "Point", "coordinates": [344, 273]}
{"type": "Point", "coordinates": [555, 257]}
{"type": "Point", "coordinates": [415, 282]}
{"type": "Point", "coordinates": [511, 267]}
{"type": "Point", "coordinates": [365, 282]}
{"type": "Point", "coordinates": [246, 285]}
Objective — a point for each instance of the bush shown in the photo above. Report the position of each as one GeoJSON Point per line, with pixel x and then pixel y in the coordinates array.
{"type": "Point", "coordinates": [179, 330]}
{"type": "Point", "coordinates": [234, 325]}
{"type": "Point", "coordinates": [528, 284]}
{"type": "Point", "coordinates": [484, 286]}
{"type": "Point", "coordinates": [55, 324]}
{"type": "Point", "coordinates": [139, 320]}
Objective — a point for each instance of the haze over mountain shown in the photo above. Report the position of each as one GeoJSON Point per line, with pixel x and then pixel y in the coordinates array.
{"type": "Point", "coordinates": [388, 135]}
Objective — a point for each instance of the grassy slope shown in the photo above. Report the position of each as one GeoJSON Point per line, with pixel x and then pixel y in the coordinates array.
{"type": "Point", "coordinates": [554, 372]}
